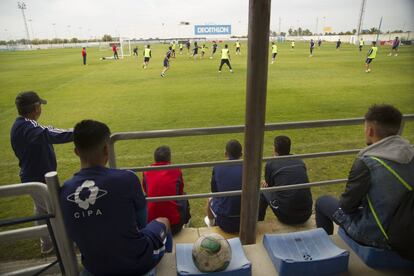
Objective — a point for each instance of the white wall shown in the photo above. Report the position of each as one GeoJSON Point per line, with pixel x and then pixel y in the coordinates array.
{"type": "Point", "coordinates": [353, 38]}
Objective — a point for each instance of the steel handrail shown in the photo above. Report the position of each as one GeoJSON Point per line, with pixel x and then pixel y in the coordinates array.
{"type": "Point", "coordinates": [238, 192]}
{"type": "Point", "coordinates": [135, 135]}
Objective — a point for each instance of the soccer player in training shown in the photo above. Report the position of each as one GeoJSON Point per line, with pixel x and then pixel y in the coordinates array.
{"type": "Point", "coordinates": [136, 51]}
{"type": "Point", "coordinates": [395, 46]}
{"type": "Point", "coordinates": [338, 44]}
{"type": "Point", "coordinates": [274, 52]}
{"type": "Point", "coordinates": [115, 51]}
{"type": "Point", "coordinates": [147, 56]}
{"type": "Point", "coordinates": [203, 50]}
{"type": "Point", "coordinates": [225, 58]}
{"type": "Point", "coordinates": [319, 42]}
{"type": "Point", "coordinates": [173, 49]}
{"type": "Point", "coordinates": [84, 55]}
{"type": "Point", "coordinates": [180, 45]}
{"type": "Point", "coordinates": [311, 47]}
{"type": "Point", "coordinates": [372, 54]}
{"type": "Point", "coordinates": [361, 44]}
{"type": "Point", "coordinates": [167, 61]}
{"type": "Point", "coordinates": [195, 50]}
{"type": "Point", "coordinates": [188, 45]}
{"type": "Point", "coordinates": [292, 45]}
{"type": "Point", "coordinates": [213, 49]}
{"type": "Point", "coordinates": [238, 52]}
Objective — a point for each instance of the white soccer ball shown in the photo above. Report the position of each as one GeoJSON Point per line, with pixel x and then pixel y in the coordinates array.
{"type": "Point", "coordinates": [211, 253]}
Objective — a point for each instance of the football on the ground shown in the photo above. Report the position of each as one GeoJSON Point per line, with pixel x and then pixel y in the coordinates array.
{"type": "Point", "coordinates": [211, 253]}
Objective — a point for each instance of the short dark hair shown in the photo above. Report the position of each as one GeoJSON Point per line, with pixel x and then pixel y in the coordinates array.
{"type": "Point", "coordinates": [282, 145]}
{"type": "Point", "coordinates": [386, 117]}
{"type": "Point", "coordinates": [90, 135]}
{"type": "Point", "coordinates": [374, 43]}
{"type": "Point", "coordinates": [234, 149]}
{"type": "Point", "coordinates": [162, 154]}
{"type": "Point", "coordinates": [225, 46]}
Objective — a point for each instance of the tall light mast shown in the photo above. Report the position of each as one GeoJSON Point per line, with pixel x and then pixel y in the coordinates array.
{"type": "Point", "coordinates": [361, 18]}
{"type": "Point", "coordinates": [22, 7]}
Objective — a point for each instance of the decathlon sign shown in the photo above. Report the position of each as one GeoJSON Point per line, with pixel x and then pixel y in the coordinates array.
{"type": "Point", "coordinates": [212, 29]}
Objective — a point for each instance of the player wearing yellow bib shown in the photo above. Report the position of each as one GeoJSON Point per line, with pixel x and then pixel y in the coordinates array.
{"type": "Point", "coordinates": [180, 45]}
{"type": "Point", "coordinates": [147, 56]}
{"type": "Point", "coordinates": [274, 52]}
{"type": "Point", "coordinates": [372, 54]}
{"type": "Point", "coordinates": [292, 45]}
{"type": "Point", "coordinates": [203, 50]}
{"type": "Point", "coordinates": [225, 58]}
{"type": "Point", "coordinates": [361, 44]}
{"type": "Point", "coordinates": [238, 48]}
{"type": "Point", "coordinates": [173, 49]}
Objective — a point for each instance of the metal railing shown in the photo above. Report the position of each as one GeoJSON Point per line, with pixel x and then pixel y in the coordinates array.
{"type": "Point", "coordinates": [138, 135]}
{"type": "Point", "coordinates": [253, 156]}
{"type": "Point", "coordinates": [54, 226]}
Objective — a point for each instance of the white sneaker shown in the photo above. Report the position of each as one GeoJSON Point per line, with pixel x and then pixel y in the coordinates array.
{"type": "Point", "coordinates": [389, 54]}
{"type": "Point", "coordinates": [219, 71]}
{"type": "Point", "coordinates": [231, 71]}
{"type": "Point", "coordinates": [209, 222]}
{"type": "Point", "coordinates": [396, 55]}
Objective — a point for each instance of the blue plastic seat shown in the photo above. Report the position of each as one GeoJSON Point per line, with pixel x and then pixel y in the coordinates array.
{"type": "Point", "coordinates": [305, 253]}
{"type": "Point", "coordinates": [376, 257]}
{"type": "Point", "coordinates": [239, 265]}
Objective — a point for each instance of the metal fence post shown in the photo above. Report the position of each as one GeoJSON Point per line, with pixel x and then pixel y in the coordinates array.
{"type": "Point", "coordinates": [64, 243]}
{"type": "Point", "coordinates": [112, 157]}
{"type": "Point", "coordinates": [256, 88]}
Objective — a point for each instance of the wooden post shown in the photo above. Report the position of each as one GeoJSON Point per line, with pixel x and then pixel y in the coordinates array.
{"type": "Point", "coordinates": [256, 88]}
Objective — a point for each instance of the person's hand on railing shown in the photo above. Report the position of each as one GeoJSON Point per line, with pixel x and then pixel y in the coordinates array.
{"type": "Point", "coordinates": [263, 184]}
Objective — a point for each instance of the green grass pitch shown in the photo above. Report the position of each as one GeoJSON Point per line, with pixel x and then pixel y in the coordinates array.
{"type": "Point", "coordinates": [332, 84]}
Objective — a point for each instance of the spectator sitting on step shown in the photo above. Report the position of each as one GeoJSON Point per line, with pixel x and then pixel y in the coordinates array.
{"type": "Point", "coordinates": [225, 211]}
{"type": "Point", "coordinates": [105, 211]}
{"type": "Point", "coordinates": [375, 187]}
{"type": "Point", "coordinates": [167, 182]}
{"type": "Point", "coordinates": [290, 206]}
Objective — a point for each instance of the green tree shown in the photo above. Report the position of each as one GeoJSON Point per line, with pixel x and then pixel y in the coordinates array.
{"type": "Point", "coordinates": [107, 37]}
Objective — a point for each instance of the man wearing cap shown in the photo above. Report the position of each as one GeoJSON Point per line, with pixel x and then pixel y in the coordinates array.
{"type": "Point", "coordinates": [33, 146]}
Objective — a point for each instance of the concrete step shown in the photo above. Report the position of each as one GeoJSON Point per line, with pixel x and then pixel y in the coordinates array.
{"type": "Point", "coordinates": [256, 253]}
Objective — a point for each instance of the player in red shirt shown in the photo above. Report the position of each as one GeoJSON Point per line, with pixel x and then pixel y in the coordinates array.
{"type": "Point", "coordinates": [166, 183]}
{"type": "Point", "coordinates": [84, 55]}
{"type": "Point", "coordinates": [115, 51]}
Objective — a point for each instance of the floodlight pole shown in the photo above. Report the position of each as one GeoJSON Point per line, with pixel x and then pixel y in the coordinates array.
{"type": "Point", "coordinates": [379, 30]}
{"type": "Point", "coordinates": [256, 89]}
{"type": "Point", "coordinates": [22, 7]}
{"type": "Point", "coordinates": [361, 18]}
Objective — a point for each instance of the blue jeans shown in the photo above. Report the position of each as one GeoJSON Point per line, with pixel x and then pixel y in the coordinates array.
{"type": "Point", "coordinates": [325, 207]}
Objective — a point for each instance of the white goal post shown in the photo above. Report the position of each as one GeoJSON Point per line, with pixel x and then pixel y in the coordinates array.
{"type": "Point", "coordinates": [122, 43]}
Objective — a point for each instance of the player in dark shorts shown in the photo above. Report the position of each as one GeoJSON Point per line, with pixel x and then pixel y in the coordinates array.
{"type": "Point", "coordinates": [114, 49]}
{"type": "Point", "coordinates": [147, 56]}
{"type": "Point", "coordinates": [311, 47]}
{"type": "Point", "coordinates": [188, 44]}
{"type": "Point", "coordinates": [225, 58]}
{"type": "Point", "coordinates": [195, 50]}
{"type": "Point", "coordinates": [395, 46]}
{"type": "Point", "coordinates": [319, 42]}
{"type": "Point", "coordinates": [338, 44]}
{"type": "Point", "coordinates": [213, 49]}
{"type": "Point", "coordinates": [372, 54]}
{"type": "Point", "coordinates": [166, 61]}
{"type": "Point", "coordinates": [136, 51]}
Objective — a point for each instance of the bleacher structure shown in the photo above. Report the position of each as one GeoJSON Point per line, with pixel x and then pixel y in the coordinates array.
{"type": "Point", "coordinates": [255, 253]}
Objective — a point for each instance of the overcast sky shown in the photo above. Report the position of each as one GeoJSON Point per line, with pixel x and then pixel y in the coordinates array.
{"type": "Point", "coordinates": [160, 18]}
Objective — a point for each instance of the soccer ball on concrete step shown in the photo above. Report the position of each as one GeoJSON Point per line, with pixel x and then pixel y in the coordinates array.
{"type": "Point", "coordinates": [211, 253]}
